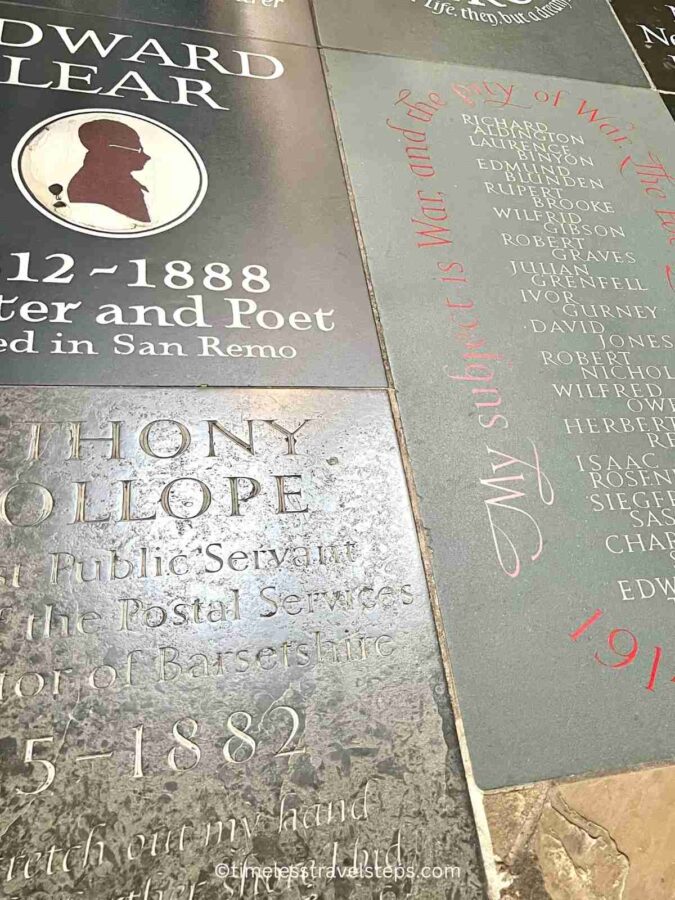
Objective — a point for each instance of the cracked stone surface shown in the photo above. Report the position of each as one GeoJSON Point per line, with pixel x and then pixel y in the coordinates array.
{"type": "Point", "coordinates": [606, 838]}
{"type": "Point", "coordinates": [578, 858]}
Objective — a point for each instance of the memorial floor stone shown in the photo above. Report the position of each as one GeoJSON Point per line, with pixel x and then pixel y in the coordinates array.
{"type": "Point", "coordinates": [175, 212]}
{"type": "Point", "coordinates": [218, 649]}
{"type": "Point", "coordinates": [650, 25]}
{"type": "Point", "coordinates": [519, 234]}
{"type": "Point", "coordinates": [274, 20]}
{"type": "Point", "coordinates": [575, 38]}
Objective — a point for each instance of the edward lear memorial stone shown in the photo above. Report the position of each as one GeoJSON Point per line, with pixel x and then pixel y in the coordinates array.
{"type": "Point", "coordinates": [218, 648]}
{"type": "Point", "coordinates": [529, 326]}
{"type": "Point", "coordinates": [175, 211]}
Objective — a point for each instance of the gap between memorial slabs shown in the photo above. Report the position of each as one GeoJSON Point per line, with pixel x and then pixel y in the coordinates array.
{"type": "Point", "coordinates": [494, 881]}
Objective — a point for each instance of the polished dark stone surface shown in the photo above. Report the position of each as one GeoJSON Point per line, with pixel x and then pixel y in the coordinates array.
{"type": "Point", "coordinates": [254, 647]}
{"type": "Point", "coordinates": [274, 20]}
{"type": "Point", "coordinates": [650, 25]}
{"type": "Point", "coordinates": [243, 270]}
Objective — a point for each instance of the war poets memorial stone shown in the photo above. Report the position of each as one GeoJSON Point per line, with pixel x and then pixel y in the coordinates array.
{"type": "Point", "coordinates": [218, 648]}
{"type": "Point", "coordinates": [575, 38]}
{"type": "Point", "coordinates": [174, 211]}
{"type": "Point", "coordinates": [276, 20]}
{"type": "Point", "coordinates": [520, 233]}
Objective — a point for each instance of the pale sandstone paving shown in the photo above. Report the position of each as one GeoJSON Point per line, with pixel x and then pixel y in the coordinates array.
{"type": "Point", "coordinates": [607, 838]}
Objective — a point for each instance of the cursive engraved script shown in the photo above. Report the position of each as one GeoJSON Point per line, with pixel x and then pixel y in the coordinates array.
{"type": "Point", "coordinates": [511, 488]}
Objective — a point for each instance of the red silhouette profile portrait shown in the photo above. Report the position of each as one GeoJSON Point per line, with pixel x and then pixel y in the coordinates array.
{"type": "Point", "coordinates": [114, 151]}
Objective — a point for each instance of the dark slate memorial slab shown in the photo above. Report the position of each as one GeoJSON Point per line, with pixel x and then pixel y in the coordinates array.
{"type": "Point", "coordinates": [650, 26]}
{"type": "Point", "coordinates": [174, 212]}
{"type": "Point", "coordinates": [520, 233]}
{"type": "Point", "coordinates": [274, 20]}
{"type": "Point", "coordinates": [218, 650]}
{"type": "Point", "coordinates": [575, 38]}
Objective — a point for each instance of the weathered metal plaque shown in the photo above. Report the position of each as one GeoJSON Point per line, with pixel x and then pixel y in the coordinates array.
{"type": "Point", "coordinates": [274, 20]}
{"type": "Point", "coordinates": [520, 235]}
{"type": "Point", "coordinates": [218, 651]}
{"type": "Point", "coordinates": [650, 25]}
{"type": "Point", "coordinates": [574, 38]}
{"type": "Point", "coordinates": [174, 212]}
